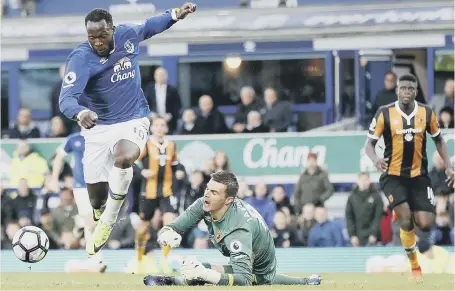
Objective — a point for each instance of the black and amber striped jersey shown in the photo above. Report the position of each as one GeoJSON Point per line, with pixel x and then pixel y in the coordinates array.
{"type": "Point", "coordinates": [160, 158]}
{"type": "Point", "coordinates": [405, 137]}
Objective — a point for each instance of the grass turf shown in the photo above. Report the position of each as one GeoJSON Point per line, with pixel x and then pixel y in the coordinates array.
{"type": "Point", "coordinates": [117, 281]}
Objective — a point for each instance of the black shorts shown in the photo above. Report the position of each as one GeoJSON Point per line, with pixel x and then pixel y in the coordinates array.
{"type": "Point", "coordinates": [147, 207]}
{"type": "Point", "coordinates": [416, 191]}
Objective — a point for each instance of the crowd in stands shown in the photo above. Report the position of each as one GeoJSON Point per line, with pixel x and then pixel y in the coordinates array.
{"type": "Point", "coordinates": [297, 218]}
{"type": "Point", "coordinates": [442, 104]}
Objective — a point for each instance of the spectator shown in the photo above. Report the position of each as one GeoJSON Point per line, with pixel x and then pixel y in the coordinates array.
{"type": "Point", "coordinates": [442, 231]}
{"type": "Point", "coordinates": [305, 222]}
{"type": "Point", "coordinates": [262, 204]}
{"type": "Point", "coordinates": [438, 177]}
{"type": "Point", "coordinates": [7, 206]}
{"type": "Point", "coordinates": [46, 224]}
{"type": "Point", "coordinates": [28, 165]}
{"type": "Point", "coordinates": [210, 120]}
{"type": "Point", "coordinates": [446, 118]}
{"type": "Point", "coordinates": [244, 189]}
{"type": "Point", "coordinates": [58, 128]}
{"type": "Point", "coordinates": [163, 99]}
{"type": "Point", "coordinates": [283, 236]}
{"type": "Point", "coordinates": [324, 233]}
{"type": "Point", "coordinates": [122, 235]}
{"type": "Point", "coordinates": [65, 172]}
{"type": "Point", "coordinates": [194, 190]}
{"type": "Point", "coordinates": [277, 115]}
{"type": "Point", "coordinates": [24, 127]}
{"type": "Point", "coordinates": [221, 161]}
{"type": "Point", "coordinates": [364, 211]}
{"type": "Point", "coordinates": [209, 169]}
{"type": "Point", "coordinates": [189, 123]}
{"type": "Point", "coordinates": [438, 102]}
{"type": "Point", "coordinates": [11, 228]}
{"type": "Point", "coordinates": [23, 203]}
{"type": "Point", "coordinates": [388, 94]}
{"type": "Point", "coordinates": [254, 123]}
{"type": "Point", "coordinates": [63, 216]}
{"type": "Point", "coordinates": [280, 198]}
{"type": "Point", "coordinates": [249, 103]}
{"type": "Point", "coordinates": [313, 185]}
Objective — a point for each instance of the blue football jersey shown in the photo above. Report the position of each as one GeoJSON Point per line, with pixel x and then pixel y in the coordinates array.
{"type": "Point", "coordinates": [75, 145]}
{"type": "Point", "coordinates": [111, 85]}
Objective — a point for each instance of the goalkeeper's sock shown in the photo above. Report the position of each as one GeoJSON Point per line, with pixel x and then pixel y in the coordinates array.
{"type": "Point", "coordinates": [408, 240]}
{"type": "Point", "coordinates": [288, 280]}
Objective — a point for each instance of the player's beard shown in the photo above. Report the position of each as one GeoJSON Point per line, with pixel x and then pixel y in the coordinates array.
{"type": "Point", "coordinates": [106, 52]}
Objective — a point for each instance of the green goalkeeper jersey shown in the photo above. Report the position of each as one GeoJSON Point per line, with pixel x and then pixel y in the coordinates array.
{"type": "Point", "coordinates": [242, 235]}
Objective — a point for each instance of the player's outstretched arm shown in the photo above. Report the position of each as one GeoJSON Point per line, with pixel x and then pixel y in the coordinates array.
{"type": "Point", "coordinates": [76, 77]}
{"type": "Point", "coordinates": [189, 218]}
{"type": "Point", "coordinates": [158, 24]}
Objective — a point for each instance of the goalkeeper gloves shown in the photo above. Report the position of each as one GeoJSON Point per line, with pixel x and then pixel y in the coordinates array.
{"type": "Point", "coordinates": [192, 269]}
{"type": "Point", "coordinates": [168, 237]}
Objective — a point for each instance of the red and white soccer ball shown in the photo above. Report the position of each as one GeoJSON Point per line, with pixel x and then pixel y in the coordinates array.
{"type": "Point", "coordinates": [30, 244]}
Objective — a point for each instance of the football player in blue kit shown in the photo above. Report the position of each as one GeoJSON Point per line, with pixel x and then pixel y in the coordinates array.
{"type": "Point", "coordinates": [105, 70]}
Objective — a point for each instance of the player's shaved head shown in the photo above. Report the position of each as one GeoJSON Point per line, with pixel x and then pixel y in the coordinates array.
{"type": "Point", "coordinates": [227, 179]}
{"type": "Point", "coordinates": [98, 15]}
{"type": "Point", "coordinates": [407, 89]}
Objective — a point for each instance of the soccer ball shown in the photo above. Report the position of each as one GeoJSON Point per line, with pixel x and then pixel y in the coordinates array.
{"type": "Point", "coordinates": [30, 244]}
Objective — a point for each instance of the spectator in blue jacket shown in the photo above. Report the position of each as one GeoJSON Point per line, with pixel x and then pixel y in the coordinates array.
{"type": "Point", "coordinates": [324, 233]}
{"type": "Point", "coordinates": [262, 204]}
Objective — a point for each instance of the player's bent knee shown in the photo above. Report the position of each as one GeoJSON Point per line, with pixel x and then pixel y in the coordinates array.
{"type": "Point", "coordinates": [124, 161]}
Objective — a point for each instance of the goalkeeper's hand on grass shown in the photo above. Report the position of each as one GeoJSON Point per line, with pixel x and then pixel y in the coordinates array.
{"type": "Point", "coordinates": [192, 269]}
{"type": "Point", "coordinates": [169, 237]}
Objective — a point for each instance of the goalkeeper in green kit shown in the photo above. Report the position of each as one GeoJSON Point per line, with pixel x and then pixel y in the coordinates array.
{"type": "Point", "coordinates": [237, 230]}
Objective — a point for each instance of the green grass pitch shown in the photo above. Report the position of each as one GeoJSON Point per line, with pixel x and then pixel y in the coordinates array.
{"type": "Point", "coordinates": [118, 281]}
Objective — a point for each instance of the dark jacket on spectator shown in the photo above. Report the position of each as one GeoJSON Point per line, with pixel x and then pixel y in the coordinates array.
{"type": "Point", "coordinates": [173, 103]}
{"type": "Point", "coordinates": [30, 132]}
{"type": "Point", "coordinates": [21, 206]}
{"type": "Point", "coordinates": [243, 110]}
{"type": "Point", "coordinates": [123, 232]}
{"type": "Point", "coordinates": [384, 97]}
{"type": "Point", "coordinates": [327, 234]}
{"type": "Point", "coordinates": [284, 203]}
{"type": "Point", "coordinates": [364, 211]}
{"type": "Point", "coordinates": [260, 129]}
{"type": "Point", "coordinates": [304, 227]}
{"type": "Point", "coordinates": [182, 130]}
{"type": "Point", "coordinates": [212, 123]}
{"type": "Point", "coordinates": [438, 182]}
{"type": "Point", "coordinates": [189, 196]}
{"type": "Point", "coordinates": [313, 189]}
{"type": "Point", "coordinates": [282, 235]}
{"type": "Point", "coordinates": [278, 117]}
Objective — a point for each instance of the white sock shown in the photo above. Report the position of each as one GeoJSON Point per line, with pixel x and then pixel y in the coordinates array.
{"type": "Point", "coordinates": [119, 181]}
{"type": "Point", "coordinates": [84, 207]}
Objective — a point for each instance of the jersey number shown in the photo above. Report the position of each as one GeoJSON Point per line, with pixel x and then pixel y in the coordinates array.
{"type": "Point", "coordinates": [255, 214]}
{"type": "Point", "coordinates": [140, 133]}
{"type": "Point", "coordinates": [430, 195]}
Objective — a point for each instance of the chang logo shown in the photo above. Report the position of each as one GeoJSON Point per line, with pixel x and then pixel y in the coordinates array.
{"type": "Point", "coordinates": [120, 67]}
